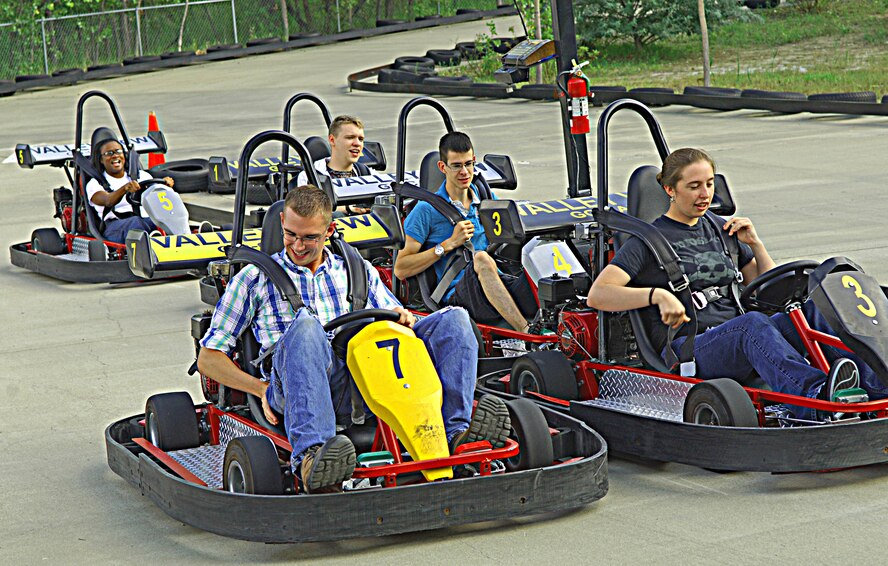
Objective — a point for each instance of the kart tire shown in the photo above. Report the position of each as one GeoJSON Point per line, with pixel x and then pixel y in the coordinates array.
{"type": "Point", "coordinates": [402, 76]}
{"type": "Point", "coordinates": [170, 421]}
{"type": "Point", "coordinates": [97, 250]}
{"type": "Point", "coordinates": [712, 91]}
{"type": "Point", "coordinates": [444, 56]}
{"type": "Point", "coordinates": [141, 59]}
{"type": "Point", "coordinates": [782, 95]}
{"type": "Point", "coordinates": [26, 78]}
{"type": "Point", "coordinates": [383, 23]}
{"type": "Point", "coordinates": [530, 429]}
{"type": "Point", "coordinates": [865, 96]}
{"type": "Point", "coordinates": [461, 80]}
{"type": "Point", "coordinates": [257, 193]}
{"type": "Point", "coordinates": [653, 90]}
{"type": "Point", "coordinates": [48, 241]}
{"type": "Point", "coordinates": [252, 466]}
{"type": "Point", "coordinates": [176, 54]}
{"type": "Point", "coordinates": [190, 175]}
{"type": "Point", "coordinates": [223, 47]}
{"type": "Point", "coordinates": [305, 35]}
{"type": "Point", "coordinates": [414, 64]}
{"type": "Point", "coordinates": [720, 402]}
{"type": "Point", "coordinates": [263, 41]}
{"type": "Point", "coordinates": [547, 372]}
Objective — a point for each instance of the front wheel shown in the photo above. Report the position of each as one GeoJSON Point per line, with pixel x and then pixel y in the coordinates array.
{"type": "Point", "coordinates": [171, 422]}
{"type": "Point", "coordinates": [252, 466]}
{"type": "Point", "coordinates": [47, 241]}
{"type": "Point", "coordinates": [720, 402]}
{"type": "Point", "coordinates": [546, 372]}
{"type": "Point", "coordinates": [530, 429]}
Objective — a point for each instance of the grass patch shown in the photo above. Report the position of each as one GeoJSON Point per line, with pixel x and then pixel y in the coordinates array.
{"type": "Point", "coordinates": [835, 46]}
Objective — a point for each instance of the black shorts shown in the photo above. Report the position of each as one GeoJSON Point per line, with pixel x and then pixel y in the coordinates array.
{"type": "Point", "coordinates": [469, 295]}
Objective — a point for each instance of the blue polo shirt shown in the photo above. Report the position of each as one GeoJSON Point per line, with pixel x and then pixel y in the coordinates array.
{"type": "Point", "coordinates": [429, 227]}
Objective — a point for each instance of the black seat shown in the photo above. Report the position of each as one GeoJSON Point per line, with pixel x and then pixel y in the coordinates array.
{"type": "Point", "coordinates": [318, 147]}
{"type": "Point", "coordinates": [430, 177]}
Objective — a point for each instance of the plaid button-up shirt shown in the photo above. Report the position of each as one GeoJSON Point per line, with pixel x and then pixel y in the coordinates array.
{"type": "Point", "coordinates": [251, 298]}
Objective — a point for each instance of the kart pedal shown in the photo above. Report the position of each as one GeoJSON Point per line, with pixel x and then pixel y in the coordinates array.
{"type": "Point", "coordinates": [852, 395]}
{"type": "Point", "coordinates": [374, 459]}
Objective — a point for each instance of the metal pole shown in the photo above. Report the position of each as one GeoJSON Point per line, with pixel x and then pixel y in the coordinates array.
{"type": "Point", "coordinates": [234, 21]}
{"type": "Point", "coordinates": [564, 32]}
{"type": "Point", "coordinates": [338, 19]}
{"type": "Point", "coordinates": [45, 56]}
{"type": "Point", "coordinates": [138, 33]}
{"type": "Point", "coordinates": [538, 22]}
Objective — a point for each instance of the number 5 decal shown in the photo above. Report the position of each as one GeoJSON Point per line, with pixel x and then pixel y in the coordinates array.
{"type": "Point", "coordinates": [394, 344]}
{"type": "Point", "coordinates": [851, 283]}
{"type": "Point", "coordinates": [164, 201]}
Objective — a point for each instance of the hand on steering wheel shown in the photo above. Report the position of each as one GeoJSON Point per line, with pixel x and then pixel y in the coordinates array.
{"type": "Point", "coordinates": [135, 198]}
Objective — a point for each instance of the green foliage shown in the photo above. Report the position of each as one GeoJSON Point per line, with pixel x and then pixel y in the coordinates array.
{"type": "Point", "coordinates": [646, 21]}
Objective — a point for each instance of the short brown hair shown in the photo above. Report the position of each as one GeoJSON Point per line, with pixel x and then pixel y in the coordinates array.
{"type": "Point", "coordinates": [342, 120]}
{"type": "Point", "coordinates": [675, 164]}
{"type": "Point", "coordinates": [309, 201]}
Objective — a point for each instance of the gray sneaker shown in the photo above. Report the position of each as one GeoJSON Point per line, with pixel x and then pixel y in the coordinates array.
{"type": "Point", "coordinates": [842, 375]}
{"type": "Point", "coordinates": [490, 422]}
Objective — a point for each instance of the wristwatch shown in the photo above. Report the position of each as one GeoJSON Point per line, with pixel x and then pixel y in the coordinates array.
{"type": "Point", "coordinates": [439, 250]}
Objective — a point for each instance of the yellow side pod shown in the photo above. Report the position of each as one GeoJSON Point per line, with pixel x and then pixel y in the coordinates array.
{"type": "Point", "coordinates": [395, 375]}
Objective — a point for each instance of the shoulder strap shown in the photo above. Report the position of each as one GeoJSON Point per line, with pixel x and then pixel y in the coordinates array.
{"type": "Point", "coordinates": [358, 286]}
{"type": "Point", "coordinates": [361, 169]}
{"type": "Point", "coordinates": [732, 250]}
{"type": "Point", "coordinates": [450, 212]}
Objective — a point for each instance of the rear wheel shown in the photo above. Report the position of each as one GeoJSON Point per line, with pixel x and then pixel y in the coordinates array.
{"type": "Point", "coordinates": [719, 402]}
{"type": "Point", "coordinates": [547, 372]}
{"type": "Point", "coordinates": [252, 466]}
{"type": "Point", "coordinates": [48, 241]}
{"type": "Point", "coordinates": [531, 431]}
{"type": "Point", "coordinates": [171, 422]}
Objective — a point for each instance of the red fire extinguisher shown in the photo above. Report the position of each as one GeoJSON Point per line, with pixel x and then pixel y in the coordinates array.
{"type": "Point", "coordinates": [578, 93]}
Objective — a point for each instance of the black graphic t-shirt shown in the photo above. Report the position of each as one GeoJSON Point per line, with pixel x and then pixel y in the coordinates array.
{"type": "Point", "coordinates": [703, 260]}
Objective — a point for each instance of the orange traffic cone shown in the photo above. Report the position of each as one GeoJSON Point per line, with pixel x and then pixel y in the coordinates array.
{"type": "Point", "coordinates": [154, 158]}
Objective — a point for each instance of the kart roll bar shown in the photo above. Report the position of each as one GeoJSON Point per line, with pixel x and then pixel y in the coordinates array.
{"type": "Point", "coordinates": [240, 193]}
{"type": "Point", "coordinates": [288, 111]}
{"type": "Point", "coordinates": [603, 188]}
{"type": "Point", "coordinates": [78, 134]}
{"type": "Point", "coordinates": [402, 130]}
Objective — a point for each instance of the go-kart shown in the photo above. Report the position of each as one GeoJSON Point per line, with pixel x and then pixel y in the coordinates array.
{"type": "Point", "coordinates": [80, 254]}
{"type": "Point", "coordinates": [223, 468]}
{"type": "Point", "coordinates": [606, 372]}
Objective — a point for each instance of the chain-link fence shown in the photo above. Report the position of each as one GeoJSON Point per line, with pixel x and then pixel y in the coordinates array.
{"type": "Point", "coordinates": [51, 45]}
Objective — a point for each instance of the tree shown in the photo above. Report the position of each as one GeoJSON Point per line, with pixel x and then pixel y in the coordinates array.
{"type": "Point", "coordinates": [645, 21]}
{"type": "Point", "coordinates": [704, 37]}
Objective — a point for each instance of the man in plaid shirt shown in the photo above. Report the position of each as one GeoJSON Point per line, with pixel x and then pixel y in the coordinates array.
{"type": "Point", "coordinates": [310, 385]}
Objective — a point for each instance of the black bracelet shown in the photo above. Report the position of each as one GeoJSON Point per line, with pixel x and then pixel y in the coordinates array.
{"type": "Point", "coordinates": [651, 297]}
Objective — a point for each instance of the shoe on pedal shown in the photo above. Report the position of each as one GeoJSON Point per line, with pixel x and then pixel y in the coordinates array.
{"type": "Point", "coordinates": [325, 467]}
{"type": "Point", "coordinates": [490, 422]}
{"type": "Point", "coordinates": [843, 377]}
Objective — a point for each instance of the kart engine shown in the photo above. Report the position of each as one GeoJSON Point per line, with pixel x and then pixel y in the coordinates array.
{"type": "Point", "coordinates": [579, 333]}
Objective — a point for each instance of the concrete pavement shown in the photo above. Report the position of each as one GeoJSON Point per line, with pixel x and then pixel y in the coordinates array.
{"type": "Point", "coordinates": [76, 357]}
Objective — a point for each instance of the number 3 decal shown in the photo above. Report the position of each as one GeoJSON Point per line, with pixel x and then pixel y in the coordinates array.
{"type": "Point", "coordinates": [851, 283]}
{"type": "Point", "coordinates": [498, 227]}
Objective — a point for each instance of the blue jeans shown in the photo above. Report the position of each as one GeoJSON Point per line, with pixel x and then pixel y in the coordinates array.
{"type": "Point", "coordinates": [115, 230]}
{"type": "Point", "coordinates": [311, 386]}
{"type": "Point", "coordinates": [771, 347]}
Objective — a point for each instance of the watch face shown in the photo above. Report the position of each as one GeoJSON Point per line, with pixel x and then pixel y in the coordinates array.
{"type": "Point", "coordinates": [439, 250]}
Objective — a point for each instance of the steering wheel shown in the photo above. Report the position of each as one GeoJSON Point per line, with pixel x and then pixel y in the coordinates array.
{"type": "Point", "coordinates": [352, 323]}
{"type": "Point", "coordinates": [774, 290]}
{"type": "Point", "coordinates": [135, 198]}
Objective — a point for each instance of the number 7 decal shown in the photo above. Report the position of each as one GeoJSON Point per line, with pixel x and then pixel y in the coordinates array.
{"type": "Point", "coordinates": [394, 343]}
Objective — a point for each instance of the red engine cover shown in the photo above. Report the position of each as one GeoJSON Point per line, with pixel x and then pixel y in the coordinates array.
{"type": "Point", "coordinates": [66, 221]}
{"type": "Point", "coordinates": [579, 334]}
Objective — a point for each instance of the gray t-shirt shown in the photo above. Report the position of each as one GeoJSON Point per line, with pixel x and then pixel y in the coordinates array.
{"type": "Point", "coordinates": [703, 260]}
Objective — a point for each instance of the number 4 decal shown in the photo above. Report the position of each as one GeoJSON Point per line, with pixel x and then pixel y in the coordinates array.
{"type": "Point", "coordinates": [394, 344]}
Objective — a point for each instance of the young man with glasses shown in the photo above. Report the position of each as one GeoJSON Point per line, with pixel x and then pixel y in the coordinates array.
{"type": "Point", "coordinates": [480, 288]}
{"type": "Point", "coordinates": [308, 383]}
{"type": "Point", "coordinates": [346, 138]}
{"type": "Point", "coordinates": [116, 212]}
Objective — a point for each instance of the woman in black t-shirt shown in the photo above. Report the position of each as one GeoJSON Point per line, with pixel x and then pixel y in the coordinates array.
{"type": "Point", "coordinates": [728, 344]}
